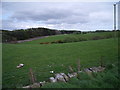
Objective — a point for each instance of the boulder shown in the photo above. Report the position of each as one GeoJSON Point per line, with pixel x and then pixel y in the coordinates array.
{"type": "Point", "coordinates": [35, 85]}
{"type": "Point", "coordinates": [59, 77]}
{"type": "Point", "coordinates": [42, 83]}
{"type": "Point", "coordinates": [65, 76]}
{"type": "Point", "coordinates": [26, 86]}
{"type": "Point", "coordinates": [70, 75]}
{"type": "Point", "coordinates": [88, 70]}
{"type": "Point", "coordinates": [52, 79]}
{"type": "Point", "coordinates": [101, 68]}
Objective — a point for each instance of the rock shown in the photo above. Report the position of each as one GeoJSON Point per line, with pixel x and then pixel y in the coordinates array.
{"type": "Point", "coordinates": [74, 74]}
{"type": "Point", "coordinates": [97, 69]}
{"type": "Point", "coordinates": [59, 77]}
{"type": "Point", "coordinates": [26, 87]}
{"type": "Point", "coordinates": [42, 83]}
{"type": "Point", "coordinates": [94, 69]}
{"type": "Point", "coordinates": [65, 76]}
{"type": "Point", "coordinates": [70, 75]}
{"type": "Point", "coordinates": [52, 79]}
{"type": "Point", "coordinates": [88, 70]}
{"type": "Point", "coordinates": [101, 68]}
{"type": "Point", "coordinates": [35, 85]}
{"type": "Point", "coordinates": [62, 77]}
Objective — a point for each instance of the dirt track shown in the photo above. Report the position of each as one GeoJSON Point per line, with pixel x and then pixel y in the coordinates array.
{"type": "Point", "coordinates": [31, 39]}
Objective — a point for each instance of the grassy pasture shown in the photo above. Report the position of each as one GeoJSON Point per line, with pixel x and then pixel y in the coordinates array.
{"type": "Point", "coordinates": [58, 56]}
{"type": "Point", "coordinates": [87, 36]}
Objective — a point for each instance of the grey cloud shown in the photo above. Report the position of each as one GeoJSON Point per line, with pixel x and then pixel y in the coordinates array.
{"type": "Point", "coordinates": [52, 16]}
{"type": "Point", "coordinates": [73, 14]}
{"type": "Point", "coordinates": [69, 20]}
{"type": "Point", "coordinates": [37, 16]}
{"type": "Point", "coordinates": [50, 13]}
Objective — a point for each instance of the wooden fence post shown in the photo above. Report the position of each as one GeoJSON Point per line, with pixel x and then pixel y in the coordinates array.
{"type": "Point", "coordinates": [101, 61]}
{"type": "Point", "coordinates": [32, 77]}
{"type": "Point", "coordinates": [71, 69]}
{"type": "Point", "coordinates": [79, 68]}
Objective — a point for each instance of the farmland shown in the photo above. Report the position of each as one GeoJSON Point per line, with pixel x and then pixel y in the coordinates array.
{"type": "Point", "coordinates": [57, 57]}
{"type": "Point", "coordinates": [85, 37]}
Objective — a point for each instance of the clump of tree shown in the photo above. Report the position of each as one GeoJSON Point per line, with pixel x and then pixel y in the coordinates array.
{"type": "Point", "coordinates": [70, 31]}
{"type": "Point", "coordinates": [22, 34]}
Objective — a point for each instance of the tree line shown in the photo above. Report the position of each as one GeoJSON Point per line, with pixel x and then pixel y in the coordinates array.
{"type": "Point", "coordinates": [22, 34]}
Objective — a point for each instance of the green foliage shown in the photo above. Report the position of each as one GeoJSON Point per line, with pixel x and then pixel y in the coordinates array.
{"type": "Point", "coordinates": [83, 76]}
{"type": "Point", "coordinates": [109, 66]}
{"type": "Point", "coordinates": [59, 85]}
{"type": "Point", "coordinates": [23, 34]}
{"type": "Point", "coordinates": [95, 36]}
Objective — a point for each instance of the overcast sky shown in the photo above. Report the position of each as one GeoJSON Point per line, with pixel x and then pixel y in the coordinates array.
{"type": "Point", "coordinates": [58, 15]}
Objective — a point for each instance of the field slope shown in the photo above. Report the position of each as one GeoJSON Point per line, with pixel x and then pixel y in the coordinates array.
{"type": "Point", "coordinates": [56, 57]}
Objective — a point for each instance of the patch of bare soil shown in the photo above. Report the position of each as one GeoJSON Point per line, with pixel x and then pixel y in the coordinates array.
{"type": "Point", "coordinates": [31, 39]}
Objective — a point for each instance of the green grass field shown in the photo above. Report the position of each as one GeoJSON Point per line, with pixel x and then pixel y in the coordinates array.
{"type": "Point", "coordinates": [87, 36]}
{"type": "Point", "coordinates": [59, 56]}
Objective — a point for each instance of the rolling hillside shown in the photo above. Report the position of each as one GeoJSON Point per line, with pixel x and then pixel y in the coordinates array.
{"type": "Point", "coordinates": [57, 57]}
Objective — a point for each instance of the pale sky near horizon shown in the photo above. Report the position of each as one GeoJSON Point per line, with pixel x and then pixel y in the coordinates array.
{"type": "Point", "coordinates": [82, 16]}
